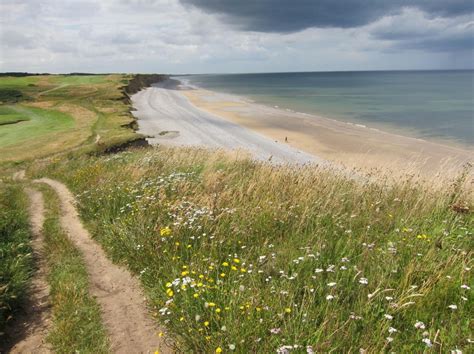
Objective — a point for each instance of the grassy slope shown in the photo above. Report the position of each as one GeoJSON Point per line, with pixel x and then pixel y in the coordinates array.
{"type": "Point", "coordinates": [42, 123]}
{"type": "Point", "coordinates": [15, 252]}
{"type": "Point", "coordinates": [76, 325]}
{"type": "Point", "coordinates": [63, 113]}
{"type": "Point", "coordinates": [10, 116]}
{"type": "Point", "coordinates": [252, 249]}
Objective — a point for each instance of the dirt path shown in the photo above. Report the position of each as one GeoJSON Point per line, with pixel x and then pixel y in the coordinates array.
{"type": "Point", "coordinates": [124, 311]}
{"type": "Point", "coordinates": [31, 327]}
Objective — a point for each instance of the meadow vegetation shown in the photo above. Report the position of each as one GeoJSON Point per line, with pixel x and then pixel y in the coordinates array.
{"type": "Point", "coordinates": [242, 256]}
{"type": "Point", "coordinates": [16, 262]}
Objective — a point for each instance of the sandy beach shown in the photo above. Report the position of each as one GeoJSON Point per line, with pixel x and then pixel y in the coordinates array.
{"type": "Point", "coordinates": [178, 115]}
{"type": "Point", "coordinates": [165, 113]}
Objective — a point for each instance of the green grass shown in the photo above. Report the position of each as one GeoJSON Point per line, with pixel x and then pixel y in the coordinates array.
{"type": "Point", "coordinates": [76, 325]}
{"type": "Point", "coordinates": [10, 116]}
{"type": "Point", "coordinates": [234, 253]}
{"type": "Point", "coordinates": [79, 79]}
{"type": "Point", "coordinates": [15, 252]}
{"type": "Point", "coordinates": [19, 82]}
{"type": "Point", "coordinates": [65, 113]}
{"type": "Point", "coordinates": [43, 123]}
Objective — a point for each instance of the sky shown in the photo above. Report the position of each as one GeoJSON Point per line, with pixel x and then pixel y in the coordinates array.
{"type": "Point", "coordinates": [232, 36]}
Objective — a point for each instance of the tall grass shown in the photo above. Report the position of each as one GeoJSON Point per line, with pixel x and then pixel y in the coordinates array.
{"type": "Point", "coordinates": [76, 323]}
{"type": "Point", "coordinates": [16, 263]}
{"type": "Point", "coordinates": [249, 257]}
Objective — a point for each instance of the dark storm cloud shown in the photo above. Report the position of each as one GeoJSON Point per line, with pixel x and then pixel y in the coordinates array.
{"type": "Point", "coordinates": [294, 15]}
{"type": "Point", "coordinates": [451, 42]}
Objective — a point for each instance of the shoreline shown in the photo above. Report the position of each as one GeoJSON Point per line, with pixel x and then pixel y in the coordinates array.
{"type": "Point", "coordinates": [165, 114]}
{"type": "Point", "coordinates": [385, 128]}
{"type": "Point", "coordinates": [349, 144]}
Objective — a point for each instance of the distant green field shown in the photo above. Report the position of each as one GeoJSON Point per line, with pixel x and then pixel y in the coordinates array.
{"type": "Point", "coordinates": [39, 122]}
{"type": "Point", "coordinates": [79, 80]}
{"type": "Point", "coordinates": [10, 81]}
{"type": "Point", "coordinates": [43, 115]}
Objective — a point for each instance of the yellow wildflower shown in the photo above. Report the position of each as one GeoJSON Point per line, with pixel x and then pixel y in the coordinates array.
{"type": "Point", "coordinates": [218, 350]}
{"type": "Point", "coordinates": [166, 231]}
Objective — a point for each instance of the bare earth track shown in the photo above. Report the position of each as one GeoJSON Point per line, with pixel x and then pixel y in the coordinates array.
{"type": "Point", "coordinates": [124, 311]}
{"type": "Point", "coordinates": [118, 293]}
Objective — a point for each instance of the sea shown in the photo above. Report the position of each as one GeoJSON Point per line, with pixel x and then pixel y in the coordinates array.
{"type": "Point", "coordinates": [432, 105]}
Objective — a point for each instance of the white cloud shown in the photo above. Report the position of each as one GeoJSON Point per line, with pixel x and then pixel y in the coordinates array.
{"type": "Point", "coordinates": [164, 36]}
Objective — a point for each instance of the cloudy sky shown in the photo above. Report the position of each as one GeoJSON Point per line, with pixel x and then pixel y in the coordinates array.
{"type": "Point", "coordinates": [207, 36]}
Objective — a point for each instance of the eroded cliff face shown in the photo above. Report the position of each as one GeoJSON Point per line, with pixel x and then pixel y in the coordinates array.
{"type": "Point", "coordinates": [140, 81]}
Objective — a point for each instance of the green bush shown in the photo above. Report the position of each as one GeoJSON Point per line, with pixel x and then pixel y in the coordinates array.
{"type": "Point", "coordinates": [10, 95]}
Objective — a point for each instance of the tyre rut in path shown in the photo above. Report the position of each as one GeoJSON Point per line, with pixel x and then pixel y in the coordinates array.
{"type": "Point", "coordinates": [119, 295]}
{"type": "Point", "coordinates": [31, 327]}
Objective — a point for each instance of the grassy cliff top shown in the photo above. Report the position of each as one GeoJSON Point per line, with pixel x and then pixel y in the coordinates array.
{"type": "Point", "coordinates": [48, 114]}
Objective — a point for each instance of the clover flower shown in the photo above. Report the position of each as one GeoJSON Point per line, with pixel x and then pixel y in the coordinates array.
{"type": "Point", "coordinates": [427, 341]}
{"type": "Point", "coordinates": [419, 325]}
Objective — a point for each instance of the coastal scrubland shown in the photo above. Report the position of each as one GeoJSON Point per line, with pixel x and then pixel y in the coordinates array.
{"type": "Point", "coordinates": [246, 256]}
{"type": "Point", "coordinates": [236, 255]}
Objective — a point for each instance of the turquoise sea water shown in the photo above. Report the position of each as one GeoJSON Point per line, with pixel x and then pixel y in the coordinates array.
{"type": "Point", "coordinates": [433, 105]}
